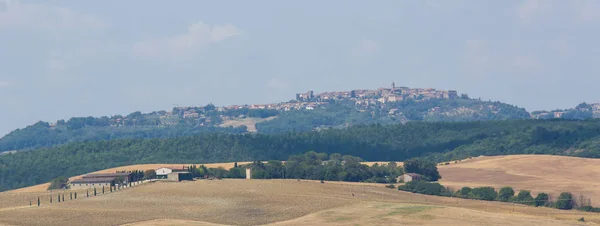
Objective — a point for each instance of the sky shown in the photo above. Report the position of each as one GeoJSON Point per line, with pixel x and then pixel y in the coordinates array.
{"type": "Point", "coordinates": [66, 58]}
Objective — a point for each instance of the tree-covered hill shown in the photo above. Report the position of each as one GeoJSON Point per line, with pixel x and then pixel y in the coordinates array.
{"type": "Point", "coordinates": [439, 141]}
{"type": "Point", "coordinates": [187, 121]}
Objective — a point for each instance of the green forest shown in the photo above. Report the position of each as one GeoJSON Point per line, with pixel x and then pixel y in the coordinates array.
{"type": "Point", "coordinates": [435, 141]}
{"type": "Point", "coordinates": [337, 114]}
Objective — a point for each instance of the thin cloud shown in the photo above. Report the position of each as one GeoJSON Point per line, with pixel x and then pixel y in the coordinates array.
{"type": "Point", "coordinates": [476, 56]}
{"type": "Point", "coordinates": [586, 10]}
{"type": "Point", "coordinates": [45, 17]}
{"type": "Point", "coordinates": [530, 10]}
{"type": "Point", "coordinates": [526, 63]}
{"type": "Point", "coordinates": [197, 36]}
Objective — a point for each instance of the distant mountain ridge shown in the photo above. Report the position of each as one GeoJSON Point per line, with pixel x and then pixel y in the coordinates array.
{"type": "Point", "coordinates": [308, 111]}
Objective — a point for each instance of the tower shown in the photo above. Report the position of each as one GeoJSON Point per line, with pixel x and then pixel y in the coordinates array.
{"type": "Point", "coordinates": [393, 86]}
{"type": "Point", "coordinates": [248, 173]}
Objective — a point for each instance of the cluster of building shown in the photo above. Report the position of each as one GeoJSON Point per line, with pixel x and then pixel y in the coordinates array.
{"type": "Point", "coordinates": [381, 95]}
{"type": "Point", "coordinates": [99, 180]}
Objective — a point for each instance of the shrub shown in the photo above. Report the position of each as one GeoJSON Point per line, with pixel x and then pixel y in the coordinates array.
{"type": "Point", "coordinates": [565, 201]}
{"type": "Point", "coordinates": [464, 192]}
{"type": "Point", "coordinates": [589, 209]}
{"type": "Point", "coordinates": [426, 168]}
{"type": "Point", "coordinates": [391, 186]}
{"type": "Point", "coordinates": [484, 193]}
{"type": "Point", "coordinates": [58, 183]}
{"type": "Point", "coordinates": [524, 197]}
{"type": "Point", "coordinates": [505, 194]}
{"type": "Point", "coordinates": [423, 187]}
{"type": "Point", "coordinates": [582, 219]}
{"type": "Point", "coordinates": [541, 199]}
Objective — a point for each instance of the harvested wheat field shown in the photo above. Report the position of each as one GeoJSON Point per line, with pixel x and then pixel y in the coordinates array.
{"type": "Point", "coordinates": [43, 187]}
{"type": "Point", "coordinates": [538, 173]}
{"type": "Point", "coordinates": [280, 202]}
{"type": "Point", "coordinates": [228, 165]}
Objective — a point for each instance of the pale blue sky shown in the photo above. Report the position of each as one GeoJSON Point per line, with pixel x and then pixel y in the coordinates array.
{"type": "Point", "coordinates": [60, 59]}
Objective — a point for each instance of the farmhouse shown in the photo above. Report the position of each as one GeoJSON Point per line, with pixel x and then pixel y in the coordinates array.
{"type": "Point", "coordinates": [161, 173]}
{"type": "Point", "coordinates": [87, 183]}
{"type": "Point", "coordinates": [408, 177]}
{"type": "Point", "coordinates": [180, 176]}
{"type": "Point", "coordinates": [100, 180]}
{"type": "Point", "coordinates": [125, 176]}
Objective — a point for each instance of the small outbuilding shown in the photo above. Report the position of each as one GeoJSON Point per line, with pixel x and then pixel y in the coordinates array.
{"type": "Point", "coordinates": [248, 173]}
{"type": "Point", "coordinates": [161, 173]}
{"type": "Point", "coordinates": [180, 176]}
{"type": "Point", "coordinates": [408, 177]}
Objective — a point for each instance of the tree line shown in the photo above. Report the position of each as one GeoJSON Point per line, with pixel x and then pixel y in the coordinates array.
{"type": "Point", "coordinates": [310, 166]}
{"type": "Point", "coordinates": [565, 200]}
{"type": "Point", "coordinates": [436, 142]}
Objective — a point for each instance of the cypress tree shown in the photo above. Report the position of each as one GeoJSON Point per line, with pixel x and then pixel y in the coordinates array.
{"type": "Point", "coordinates": [58, 197]}
{"type": "Point", "coordinates": [70, 196]}
{"type": "Point", "coordinates": [38, 201]}
{"type": "Point", "coordinates": [50, 199]}
{"type": "Point", "coordinates": [63, 197]}
{"type": "Point", "coordinates": [94, 191]}
{"type": "Point", "coordinates": [87, 193]}
{"type": "Point", "coordinates": [102, 189]}
{"type": "Point", "coordinates": [75, 195]}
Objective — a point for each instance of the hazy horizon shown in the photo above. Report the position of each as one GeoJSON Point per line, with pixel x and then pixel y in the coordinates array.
{"type": "Point", "coordinates": [67, 58]}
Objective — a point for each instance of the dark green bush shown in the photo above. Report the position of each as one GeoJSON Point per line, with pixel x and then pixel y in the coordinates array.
{"type": "Point", "coordinates": [541, 199]}
{"type": "Point", "coordinates": [565, 201]}
{"type": "Point", "coordinates": [484, 193]}
{"type": "Point", "coordinates": [505, 194]}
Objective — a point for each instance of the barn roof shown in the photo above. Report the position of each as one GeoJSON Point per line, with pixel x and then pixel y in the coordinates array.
{"type": "Point", "coordinates": [180, 173]}
{"type": "Point", "coordinates": [97, 175]}
{"type": "Point", "coordinates": [93, 180]}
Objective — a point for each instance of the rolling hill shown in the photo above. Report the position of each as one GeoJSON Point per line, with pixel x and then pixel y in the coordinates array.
{"type": "Point", "coordinates": [273, 202]}
{"type": "Point", "coordinates": [435, 141]}
{"type": "Point", "coordinates": [321, 111]}
{"type": "Point", "coordinates": [536, 173]}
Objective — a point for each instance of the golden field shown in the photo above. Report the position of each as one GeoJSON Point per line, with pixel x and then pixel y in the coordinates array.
{"type": "Point", "coordinates": [537, 173]}
{"type": "Point", "coordinates": [276, 202]}
{"type": "Point", "coordinates": [228, 165]}
{"type": "Point", "coordinates": [304, 202]}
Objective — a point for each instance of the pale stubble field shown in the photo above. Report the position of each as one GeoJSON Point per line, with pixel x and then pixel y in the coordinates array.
{"type": "Point", "coordinates": [278, 202]}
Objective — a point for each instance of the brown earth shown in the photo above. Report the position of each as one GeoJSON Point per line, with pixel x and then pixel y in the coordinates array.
{"type": "Point", "coordinates": [537, 173]}
{"type": "Point", "coordinates": [277, 202]}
